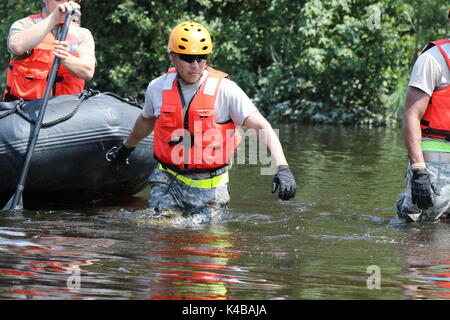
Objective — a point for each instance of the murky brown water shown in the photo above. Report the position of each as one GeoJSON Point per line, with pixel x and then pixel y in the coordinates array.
{"type": "Point", "coordinates": [318, 246]}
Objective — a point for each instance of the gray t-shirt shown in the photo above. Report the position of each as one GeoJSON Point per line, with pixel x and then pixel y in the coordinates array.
{"type": "Point", "coordinates": [431, 72]}
{"type": "Point", "coordinates": [231, 103]}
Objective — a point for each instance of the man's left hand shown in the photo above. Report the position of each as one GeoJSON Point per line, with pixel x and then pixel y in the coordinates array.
{"type": "Point", "coordinates": [61, 50]}
{"type": "Point", "coordinates": [285, 181]}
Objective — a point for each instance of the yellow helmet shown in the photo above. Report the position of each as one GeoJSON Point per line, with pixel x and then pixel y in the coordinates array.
{"type": "Point", "coordinates": [190, 37]}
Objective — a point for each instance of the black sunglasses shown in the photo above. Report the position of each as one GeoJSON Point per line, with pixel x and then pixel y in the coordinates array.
{"type": "Point", "coordinates": [189, 58]}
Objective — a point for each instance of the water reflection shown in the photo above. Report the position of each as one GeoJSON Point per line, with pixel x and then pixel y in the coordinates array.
{"type": "Point", "coordinates": [197, 265]}
{"type": "Point", "coordinates": [317, 246]}
{"type": "Point", "coordinates": [39, 266]}
{"type": "Point", "coordinates": [170, 262]}
{"type": "Point", "coordinates": [428, 261]}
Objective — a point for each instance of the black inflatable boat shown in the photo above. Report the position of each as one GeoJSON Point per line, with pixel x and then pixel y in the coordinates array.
{"type": "Point", "coordinates": [69, 161]}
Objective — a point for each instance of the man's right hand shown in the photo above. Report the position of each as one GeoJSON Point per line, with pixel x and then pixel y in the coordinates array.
{"type": "Point", "coordinates": [119, 155]}
{"type": "Point", "coordinates": [59, 14]}
{"type": "Point", "coordinates": [421, 188]}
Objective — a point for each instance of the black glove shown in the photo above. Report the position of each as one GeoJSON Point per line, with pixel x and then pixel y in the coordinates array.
{"type": "Point", "coordinates": [421, 187]}
{"type": "Point", "coordinates": [119, 155]}
{"type": "Point", "coordinates": [285, 180]}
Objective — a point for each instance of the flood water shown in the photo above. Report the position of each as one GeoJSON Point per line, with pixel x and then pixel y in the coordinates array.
{"type": "Point", "coordinates": [331, 242]}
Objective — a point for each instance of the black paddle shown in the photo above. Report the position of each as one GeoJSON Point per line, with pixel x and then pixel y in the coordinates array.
{"type": "Point", "coordinates": [16, 201]}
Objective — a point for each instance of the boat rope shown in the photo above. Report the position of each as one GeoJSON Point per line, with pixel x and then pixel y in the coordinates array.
{"type": "Point", "coordinates": [129, 100]}
{"type": "Point", "coordinates": [86, 94]}
{"type": "Point", "coordinates": [10, 112]}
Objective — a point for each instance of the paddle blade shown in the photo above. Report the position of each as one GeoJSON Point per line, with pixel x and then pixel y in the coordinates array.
{"type": "Point", "coordinates": [15, 203]}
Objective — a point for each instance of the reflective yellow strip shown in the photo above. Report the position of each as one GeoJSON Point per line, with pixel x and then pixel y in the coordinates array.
{"type": "Point", "coordinates": [204, 183]}
{"type": "Point", "coordinates": [439, 146]}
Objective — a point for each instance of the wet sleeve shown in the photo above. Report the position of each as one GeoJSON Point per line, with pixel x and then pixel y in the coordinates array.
{"type": "Point", "coordinates": [426, 74]}
{"type": "Point", "coordinates": [233, 103]}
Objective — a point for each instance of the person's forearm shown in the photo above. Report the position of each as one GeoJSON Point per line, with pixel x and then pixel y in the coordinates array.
{"type": "Point", "coordinates": [267, 135]}
{"type": "Point", "coordinates": [270, 138]}
{"type": "Point", "coordinates": [82, 68]}
{"type": "Point", "coordinates": [413, 139]}
{"type": "Point", "coordinates": [415, 106]}
{"type": "Point", "coordinates": [142, 128]}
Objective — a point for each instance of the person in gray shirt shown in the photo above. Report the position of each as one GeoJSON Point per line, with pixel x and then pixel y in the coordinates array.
{"type": "Point", "coordinates": [205, 108]}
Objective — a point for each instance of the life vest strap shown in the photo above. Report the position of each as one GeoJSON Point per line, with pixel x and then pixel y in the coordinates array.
{"type": "Point", "coordinates": [432, 131]}
{"type": "Point", "coordinates": [212, 172]}
{"type": "Point", "coordinates": [437, 132]}
{"type": "Point", "coordinates": [7, 96]}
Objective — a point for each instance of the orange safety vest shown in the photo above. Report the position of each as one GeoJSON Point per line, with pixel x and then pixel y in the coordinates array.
{"type": "Point", "coordinates": [195, 142]}
{"type": "Point", "coordinates": [436, 120]}
{"type": "Point", "coordinates": [27, 78]}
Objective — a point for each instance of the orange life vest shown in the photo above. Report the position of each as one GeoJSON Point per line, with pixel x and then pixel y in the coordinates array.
{"type": "Point", "coordinates": [194, 142]}
{"type": "Point", "coordinates": [27, 78]}
{"type": "Point", "coordinates": [436, 120]}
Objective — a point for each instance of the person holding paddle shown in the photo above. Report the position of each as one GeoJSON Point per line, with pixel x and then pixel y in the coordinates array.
{"type": "Point", "coordinates": [194, 111]}
{"type": "Point", "coordinates": [32, 44]}
{"type": "Point", "coordinates": [16, 201]}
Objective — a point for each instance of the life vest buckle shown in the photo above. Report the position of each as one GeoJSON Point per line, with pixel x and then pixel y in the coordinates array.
{"type": "Point", "coordinates": [175, 140]}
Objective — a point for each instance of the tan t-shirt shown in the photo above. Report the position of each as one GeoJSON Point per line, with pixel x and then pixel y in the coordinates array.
{"type": "Point", "coordinates": [85, 45]}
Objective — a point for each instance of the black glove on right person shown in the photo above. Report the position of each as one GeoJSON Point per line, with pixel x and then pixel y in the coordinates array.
{"type": "Point", "coordinates": [421, 187]}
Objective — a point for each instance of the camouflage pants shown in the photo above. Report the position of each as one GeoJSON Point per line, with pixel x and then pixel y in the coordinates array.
{"type": "Point", "coordinates": [440, 178]}
{"type": "Point", "coordinates": [169, 194]}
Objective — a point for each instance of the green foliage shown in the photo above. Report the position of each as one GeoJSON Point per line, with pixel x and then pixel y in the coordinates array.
{"type": "Point", "coordinates": [304, 60]}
